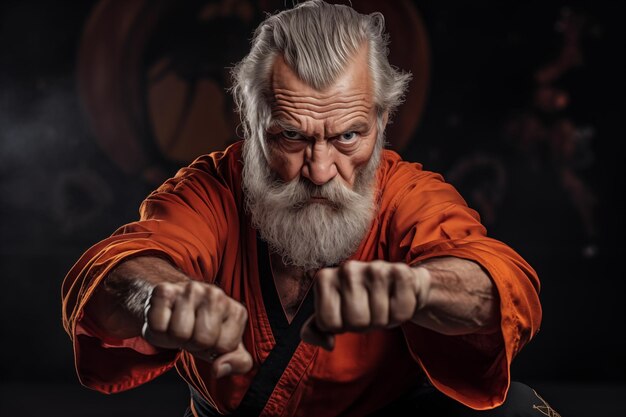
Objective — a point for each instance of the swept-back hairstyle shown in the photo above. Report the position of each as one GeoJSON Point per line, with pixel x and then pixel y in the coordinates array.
{"type": "Point", "coordinates": [317, 40]}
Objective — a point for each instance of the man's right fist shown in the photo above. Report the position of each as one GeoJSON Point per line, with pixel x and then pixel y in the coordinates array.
{"type": "Point", "coordinates": [201, 319]}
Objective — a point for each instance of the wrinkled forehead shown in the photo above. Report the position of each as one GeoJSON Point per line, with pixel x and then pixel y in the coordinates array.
{"type": "Point", "coordinates": [353, 87]}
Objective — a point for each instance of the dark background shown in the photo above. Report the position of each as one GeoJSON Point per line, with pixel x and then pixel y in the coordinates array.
{"type": "Point", "coordinates": [61, 192]}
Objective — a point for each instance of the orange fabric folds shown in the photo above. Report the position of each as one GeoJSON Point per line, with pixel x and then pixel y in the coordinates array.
{"type": "Point", "coordinates": [197, 221]}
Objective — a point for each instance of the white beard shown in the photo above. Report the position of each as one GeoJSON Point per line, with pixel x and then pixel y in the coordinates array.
{"type": "Point", "coordinates": [309, 235]}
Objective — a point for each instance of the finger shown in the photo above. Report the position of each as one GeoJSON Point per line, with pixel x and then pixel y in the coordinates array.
{"type": "Point", "coordinates": [183, 317]}
{"type": "Point", "coordinates": [207, 327]}
{"type": "Point", "coordinates": [238, 361]}
{"type": "Point", "coordinates": [311, 334]}
{"type": "Point", "coordinates": [355, 310]}
{"type": "Point", "coordinates": [378, 284]}
{"type": "Point", "coordinates": [159, 308]}
{"type": "Point", "coordinates": [403, 299]}
{"type": "Point", "coordinates": [233, 325]}
{"type": "Point", "coordinates": [158, 315]}
{"type": "Point", "coordinates": [327, 301]}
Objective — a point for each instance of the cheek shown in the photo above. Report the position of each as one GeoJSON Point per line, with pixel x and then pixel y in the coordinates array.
{"type": "Point", "coordinates": [360, 159]}
{"type": "Point", "coordinates": [287, 165]}
{"type": "Point", "coordinates": [351, 163]}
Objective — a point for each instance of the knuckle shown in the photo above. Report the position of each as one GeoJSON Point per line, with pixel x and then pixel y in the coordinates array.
{"type": "Point", "coordinates": [215, 290]}
{"type": "Point", "coordinates": [195, 288]}
{"type": "Point", "coordinates": [215, 294]}
{"type": "Point", "coordinates": [374, 276]}
{"type": "Point", "coordinates": [351, 267]}
{"type": "Point", "coordinates": [164, 290]}
{"type": "Point", "coordinates": [241, 313]}
{"type": "Point", "coordinates": [216, 299]}
{"type": "Point", "coordinates": [400, 274]}
{"type": "Point", "coordinates": [395, 270]}
{"type": "Point", "coordinates": [378, 264]}
{"type": "Point", "coordinates": [376, 268]}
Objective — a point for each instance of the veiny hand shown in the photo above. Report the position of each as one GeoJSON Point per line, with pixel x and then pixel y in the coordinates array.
{"type": "Point", "coordinates": [200, 319]}
{"type": "Point", "coordinates": [362, 296]}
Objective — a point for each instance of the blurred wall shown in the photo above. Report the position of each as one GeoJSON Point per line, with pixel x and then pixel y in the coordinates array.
{"type": "Point", "coordinates": [522, 110]}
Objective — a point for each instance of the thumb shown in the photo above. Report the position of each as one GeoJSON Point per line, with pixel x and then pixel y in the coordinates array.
{"type": "Point", "coordinates": [312, 334]}
{"type": "Point", "coordinates": [239, 361]}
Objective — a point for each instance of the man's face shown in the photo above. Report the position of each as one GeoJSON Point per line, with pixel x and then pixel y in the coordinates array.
{"type": "Point", "coordinates": [322, 135]}
{"type": "Point", "coordinates": [314, 201]}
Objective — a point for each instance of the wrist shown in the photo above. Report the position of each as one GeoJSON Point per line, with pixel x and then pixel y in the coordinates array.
{"type": "Point", "coordinates": [423, 280]}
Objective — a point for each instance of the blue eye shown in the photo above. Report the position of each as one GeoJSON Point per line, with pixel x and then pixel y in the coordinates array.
{"type": "Point", "coordinates": [292, 135]}
{"type": "Point", "coordinates": [348, 136]}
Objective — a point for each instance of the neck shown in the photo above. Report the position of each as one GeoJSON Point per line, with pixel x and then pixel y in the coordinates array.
{"type": "Point", "coordinates": [292, 284]}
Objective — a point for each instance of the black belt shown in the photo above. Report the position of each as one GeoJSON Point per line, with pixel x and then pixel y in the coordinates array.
{"type": "Point", "coordinates": [286, 335]}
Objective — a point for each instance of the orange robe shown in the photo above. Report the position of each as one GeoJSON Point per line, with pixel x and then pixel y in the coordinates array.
{"type": "Point", "coordinates": [196, 220]}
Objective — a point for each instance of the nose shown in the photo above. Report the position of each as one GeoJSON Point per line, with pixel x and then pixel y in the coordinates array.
{"type": "Point", "coordinates": [319, 166]}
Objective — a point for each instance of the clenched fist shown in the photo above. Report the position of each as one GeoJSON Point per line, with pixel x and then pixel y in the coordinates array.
{"type": "Point", "coordinates": [362, 296]}
{"type": "Point", "coordinates": [201, 319]}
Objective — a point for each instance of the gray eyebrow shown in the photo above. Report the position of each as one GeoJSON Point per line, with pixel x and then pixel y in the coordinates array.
{"type": "Point", "coordinates": [357, 126]}
{"type": "Point", "coordinates": [285, 125]}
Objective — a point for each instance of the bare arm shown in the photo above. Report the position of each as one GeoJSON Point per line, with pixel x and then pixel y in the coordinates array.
{"type": "Point", "coordinates": [148, 296]}
{"type": "Point", "coordinates": [449, 295]}
{"type": "Point", "coordinates": [118, 305]}
{"type": "Point", "coordinates": [458, 297]}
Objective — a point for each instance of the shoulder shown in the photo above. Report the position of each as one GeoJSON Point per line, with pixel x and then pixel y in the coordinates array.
{"type": "Point", "coordinates": [211, 181]}
{"type": "Point", "coordinates": [225, 165]}
{"type": "Point", "coordinates": [402, 182]}
{"type": "Point", "coordinates": [221, 169]}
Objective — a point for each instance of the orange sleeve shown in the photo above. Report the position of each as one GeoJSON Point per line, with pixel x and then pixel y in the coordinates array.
{"type": "Point", "coordinates": [185, 221]}
{"type": "Point", "coordinates": [430, 219]}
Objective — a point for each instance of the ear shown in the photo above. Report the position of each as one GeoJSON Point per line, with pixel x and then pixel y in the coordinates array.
{"type": "Point", "coordinates": [385, 118]}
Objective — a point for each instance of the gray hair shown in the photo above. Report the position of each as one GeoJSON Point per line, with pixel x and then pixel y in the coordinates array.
{"type": "Point", "coordinates": [317, 40]}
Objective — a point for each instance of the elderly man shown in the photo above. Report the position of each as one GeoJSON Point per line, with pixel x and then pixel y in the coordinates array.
{"type": "Point", "coordinates": [305, 270]}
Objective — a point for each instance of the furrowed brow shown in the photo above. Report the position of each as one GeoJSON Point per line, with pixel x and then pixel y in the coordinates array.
{"type": "Point", "coordinates": [354, 127]}
{"type": "Point", "coordinates": [284, 125]}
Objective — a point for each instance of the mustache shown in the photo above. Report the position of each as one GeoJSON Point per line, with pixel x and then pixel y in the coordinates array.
{"type": "Point", "coordinates": [298, 193]}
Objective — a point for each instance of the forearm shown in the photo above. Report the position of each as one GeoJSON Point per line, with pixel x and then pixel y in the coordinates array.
{"type": "Point", "coordinates": [117, 305]}
{"type": "Point", "coordinates": [459, 297]}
